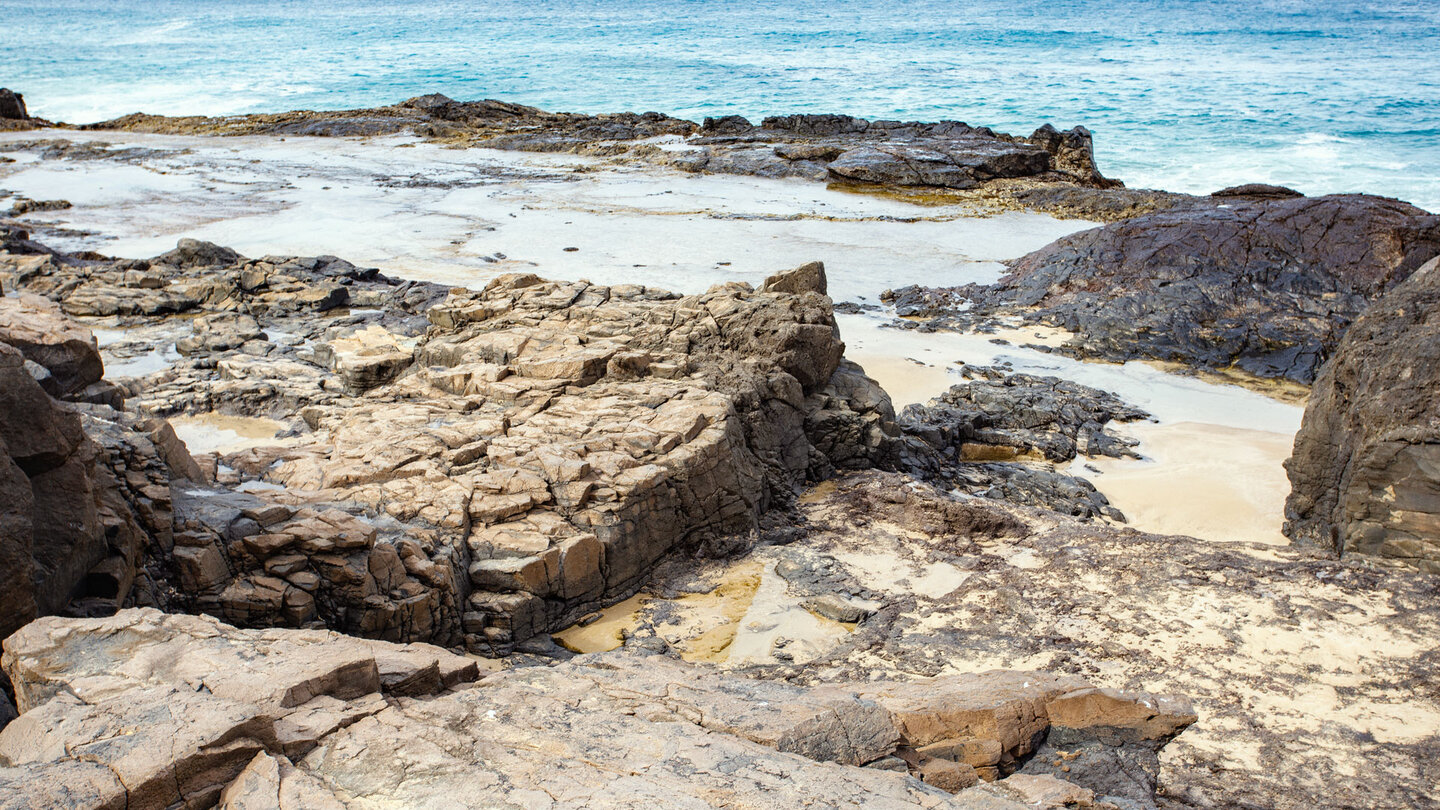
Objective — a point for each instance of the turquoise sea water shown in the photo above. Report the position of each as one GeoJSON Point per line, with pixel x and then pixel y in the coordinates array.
{"type": "Point", "coordinates": [1191, 95]}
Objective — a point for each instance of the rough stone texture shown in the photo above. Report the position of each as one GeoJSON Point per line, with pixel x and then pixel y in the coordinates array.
{"type": "Point", "coordinates": [469, 467]}
{"type": "Point", "coordinates": [999, 435]}
{"type": "Point", "coordinates": [87, 501]}
{"type": "Point", "coordinates": [221, 332]}
{"type": "Point", "coordinates": [286, 718]}
{"type": "Point", "coordinates": [36, 327]}
{"type": "Point", "coordinates": [1364, 472]}
{"type": "Point", "coordinates": [1264, 284]}
{"type": "Point", "coordinates": [198, 701]}
{"type": "Point", "coordinates": [51, 527]}
{"type": "Point", "coordinates": [1308, 674]}
{"type": "Point", "coordinates": [12, 105]}
{"type": "Point", "coordinates": [1013, 415]}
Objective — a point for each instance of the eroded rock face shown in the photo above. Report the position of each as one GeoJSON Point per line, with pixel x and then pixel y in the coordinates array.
{"type": "Point", "coordinates": [66, 531]}
{"type": "Point", "coordinates": [294, 718]}
{"type": "Point", "coordinates": [199, 701]}
{"type": "Point", "coordinates": [471, 467]}
{"type": "Point", "coordinates": [64, 349]}
{"type": "Point", "coordinates": [12, 106]}
{"type": "Point", "coordinates": [1364, 472]}
{"type": "Point", "coordinates": [1263, 283]}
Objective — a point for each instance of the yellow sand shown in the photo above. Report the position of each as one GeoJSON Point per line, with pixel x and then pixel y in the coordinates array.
{"type": "Point", "coordinates": [728, 604]}
{"type": "Point", "coordinates": [906, 381]}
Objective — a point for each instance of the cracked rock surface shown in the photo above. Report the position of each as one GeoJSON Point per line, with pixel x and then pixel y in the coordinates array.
{"type": "Point", "coordinates": [1312, 677]}
{"type": "Point", "coordinates": [143, 710]}
{"type": "Point", "coordinates": [463, 467]}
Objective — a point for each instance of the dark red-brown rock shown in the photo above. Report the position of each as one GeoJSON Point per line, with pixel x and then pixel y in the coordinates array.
{"type": "Point", "coordinates": [12, 105]}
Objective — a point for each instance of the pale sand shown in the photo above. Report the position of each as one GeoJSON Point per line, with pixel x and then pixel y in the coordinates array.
{"type": "Point", "coordinates": [908, 381]}
{"type": "Point", "coordinates": [1209, 481]}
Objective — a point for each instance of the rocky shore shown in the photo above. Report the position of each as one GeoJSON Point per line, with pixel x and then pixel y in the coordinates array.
{"type": "Point", "coordinates": [925, 162]}
{"type": "Point", "coordinates": [476, 468]}
{"type": "Point", "coordinates": [291, 532]}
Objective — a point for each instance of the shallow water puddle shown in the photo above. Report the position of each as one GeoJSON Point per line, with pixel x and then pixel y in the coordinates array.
{"type": "Point", "coordinates": [222, 433]}
{"type": "Point", "coordinates": [607, 632]}
{"type": "Point", "coordinates": [749, 617]}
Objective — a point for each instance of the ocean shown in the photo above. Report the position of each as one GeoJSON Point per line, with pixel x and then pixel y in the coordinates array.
{"type": "Point", "coordinates": [1188, 95]}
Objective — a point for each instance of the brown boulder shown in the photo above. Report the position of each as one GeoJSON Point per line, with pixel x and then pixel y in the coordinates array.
{"type": "Point", "coordinates": [1365, 473]}
{"type": "Point", "coordinates": [12, 105]}
{"type": "Point", "coordinates": [43, 335]}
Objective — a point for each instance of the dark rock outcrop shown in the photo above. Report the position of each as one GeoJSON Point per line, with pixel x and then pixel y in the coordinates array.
{"type": "Point", "coordinates": [999, 435]}
{"type": "Point", "coordinates": [1262, 191]}
{"type": "Point", "coordinates": [893, 154]}
{"type": "Point", "coordinates": [12, 105]}
{"type": "Point", "coordinates": [84, 501]}
{"type": "Point", "coordinates": [1263, 284]}
{"type": "Point", "coordinates": [1365, 473]}
{"type": "Point", "coordinates": [1000, 415]}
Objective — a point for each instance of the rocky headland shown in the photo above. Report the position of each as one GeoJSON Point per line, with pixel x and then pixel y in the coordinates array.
{"type": "Point", "coordinates": [551, 543]}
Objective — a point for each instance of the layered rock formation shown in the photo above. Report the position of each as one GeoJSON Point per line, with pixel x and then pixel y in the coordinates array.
{"type": "Point", "coordinates": [947, 154]}
{"type": "Point", "coordinates": [473, 467]}
{"type": "Point", "coordinates": [1262, 283]}
{"type": "Point", "coordinates": [998, 435]}
{"type": "Point", "coordinates": [1364, 471]}
{"type": "Point", "coordinates": [312, 719]}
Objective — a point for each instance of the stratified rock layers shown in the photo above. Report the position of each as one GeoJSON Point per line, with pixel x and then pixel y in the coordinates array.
{"type": "Point", "coordinates": [1365, 474]}
{"type": "Point", "coordinates": [469, 467]}
{"type": "Point", "coordinates": [84, 490]}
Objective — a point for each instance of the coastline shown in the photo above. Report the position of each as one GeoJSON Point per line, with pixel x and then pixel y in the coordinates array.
{"type": "Point", "coordinates": [619, 454]}
{"type": "Point", "coordinates": [449, 223]}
